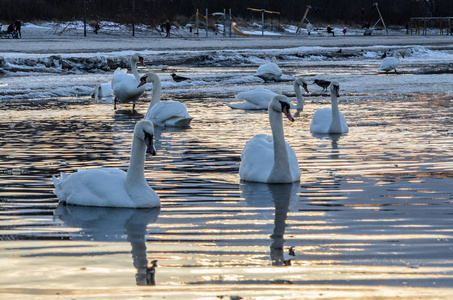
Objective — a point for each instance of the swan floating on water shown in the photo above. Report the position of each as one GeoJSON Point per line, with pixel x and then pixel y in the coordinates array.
{"type": "Point", "coordinates": [330, 120]}
{"type": "Point", "coordinates": [111, 187]}
{"type": "Point", "coordinates": [167, 113]}
{"type": "Point", "coordinates": [390, 63]}
{"type": "Point", "coordinates": [270, 71]}
{"type": "Point", "coordinates": [270, 159]}
{"type": "Point", "coordinates": [102, 90]}
{"type": "Point", "coordinates": [124, 85]}
{"type": "Point", "coordinates": [260, 98]}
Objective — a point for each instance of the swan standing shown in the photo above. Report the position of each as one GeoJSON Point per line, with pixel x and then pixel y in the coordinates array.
{"type": "Point", "coordinates": [270, 71]}
{"type": "Point", "coordinates": [124, 85]}
{"type": "Point", "coordinates": [390, 63]}
{"type": "Point", "coordinates": [330, 120]}
{"type": "Point", "coordinates": [102, 90]}
{"type": "Point", "coordinates": [260, 98]}
{"type": "Point", "coordinates": [270, 159]}
{"type": "Point", "coordinates": [164, 113]}
{"type": "Point", "coordinates": [111, 187]}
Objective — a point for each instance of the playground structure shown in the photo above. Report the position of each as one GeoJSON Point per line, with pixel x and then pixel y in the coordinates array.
{"type": "Point", "coordinates": [381, 19]}
{"type": "Point", "coordinates": [263, 11]}
{"type": "Point", "coordinates": [226, 19]}
{"type": "Point", "coordinates": [303, 19]}
{"type": "Point", "coordinates": [422, 24]}
{"type": "Point", "coordinates": [233, 25]}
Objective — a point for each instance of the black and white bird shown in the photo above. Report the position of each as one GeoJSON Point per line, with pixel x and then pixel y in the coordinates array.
{"type": "Point", "coordinates": [178, 78]}
{"type": "Point", "coordinates": [322, 83]}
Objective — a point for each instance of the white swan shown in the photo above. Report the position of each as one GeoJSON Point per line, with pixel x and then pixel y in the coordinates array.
{"type": "Point", "coordinates": [390, 63]}
{"type": "Point", "coordinates": [111, 187]}
{"type": "Point", "coordinates": [260, 98]}
{"type": "Point", "coordinates": [164, 113]}
{"type": "Point", "coordinates": [270, 71]}
{"type": "Point", "coordinates": [124, 85]}
{"type": "Point", "coordinates": [330, 120]}
{"type": "Point", "coordinates": [269, 159]}
{"type": "Point", "coordinates": [102, 90]}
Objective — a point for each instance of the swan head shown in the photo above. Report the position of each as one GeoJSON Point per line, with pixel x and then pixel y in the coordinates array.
{"type": "Point", "coordinates": [399, 52]}
{"type": "Point", "coordinates": [96, 91]}
{"type": "Point", "coordinates": [137, 57]}
{"type": "Point", "coordinates": [281, 104]}
{"type": "Point", "coordinates": [303, 83]}
{"type": "Point", "coordinates": [335, 88]}
{"type": "Point", "coordinates": [144, 130]}
{"type": "Point", "coordinates": [149, 77]}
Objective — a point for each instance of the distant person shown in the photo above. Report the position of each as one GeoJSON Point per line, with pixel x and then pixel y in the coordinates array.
{"type": "Point", "coordinates": [167, 27]}
{"type": "Point", "coordinates": [330, 30]}
{"type": "Point", "coordinates": [96, 28]}
{"type": "Point", "coordinates": [12, 30]}
{"type": "Point", "coordinates": [345, 30]}
{"type": "Point", "coordinates": [17, 24]}
{"type": "Point", "coordinates": [310, 28]}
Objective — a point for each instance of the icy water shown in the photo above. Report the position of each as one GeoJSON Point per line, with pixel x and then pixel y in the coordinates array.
{"type": "Point", "coordinates": [372, 214]}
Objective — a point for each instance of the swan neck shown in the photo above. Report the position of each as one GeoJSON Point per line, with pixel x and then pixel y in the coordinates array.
{"type": "Point", "coordinates": [300, 99]}
{"type": "Point", "coordinates": [136, 172]}
{"type": "Point", "coordinates": [280, 169]}
{"type": "Point", "coordinates": [335, 126]}
{"type": "Point", "coordinates": [155, 96]}
{"type": "Point", "coordinates": [134, 69]}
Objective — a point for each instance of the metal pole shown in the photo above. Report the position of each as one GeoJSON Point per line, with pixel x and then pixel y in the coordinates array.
{"type": "Point", "coordinates": [206, 22]}
{"type": "Point", "coordinates": [262, 19]}
{"type": "Point", "coordinates": [84, 17]}
{"type": "Point", "coordinates": [230, 22]}
{"type": "Point", "coordinates": [133, 17]}
{"type": "Point", "coordinates": [196, 20]}
{"type": "Point", "coordinates": [224, 22]}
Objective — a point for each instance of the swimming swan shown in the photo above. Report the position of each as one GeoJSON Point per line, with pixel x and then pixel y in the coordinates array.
{"type": "Point", "coordinates": [111, 187]}
{"type": "Point", "coordinates": [269, 159]}
{"type": "Point", "coordinates": [102, 90]}
{"type": "Point", "coordinates": [260, 98]}
{"type": "Point", "coordinates": [167, 113]}
{"type": "Point", "coordinates": [390, 63]}
{"type": "Point", "coordinates": [124, 85]}
{"type": "Point", "coordinates": [330, 120]}
{"type": "Point", "coordinates": [270, 71]}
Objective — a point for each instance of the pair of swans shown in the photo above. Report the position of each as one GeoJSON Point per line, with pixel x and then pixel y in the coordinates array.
{"type": "Point", "coordinates": [124, 85]}
{"type": "Point", "coordinates": [270, 159]}
{"type": "Point", "coordinates": [260, 98]}
{"type": "Point", "coordinates": [111, 187]}
{"type": "Point", "coordinates": [390, 63]}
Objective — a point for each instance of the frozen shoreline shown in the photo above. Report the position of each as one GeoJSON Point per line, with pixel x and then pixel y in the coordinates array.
{"type": "Point", "coordinates": [42, 41]}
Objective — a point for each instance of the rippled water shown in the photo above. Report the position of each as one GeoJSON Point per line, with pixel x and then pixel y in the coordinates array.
{"type": "Point", "coordinates": [373, 208]}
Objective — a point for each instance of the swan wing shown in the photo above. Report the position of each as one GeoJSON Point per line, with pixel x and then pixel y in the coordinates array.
{"type": "Point", "coordinates": [124, 87]}
{"type": "Point", "coordinates": [103, 187]}
{"type": "Point", "coordinates": [257, 159]}
{"type": "Point", "coordinates": [389, 63]}
{"type": "Point", "coordinates": [258, 97]}
{"type": "Point", "coordinates": [169, 113]}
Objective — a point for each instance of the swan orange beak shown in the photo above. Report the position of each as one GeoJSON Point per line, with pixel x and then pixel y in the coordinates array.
{"type": "Point", "coordinates": [142, 82]}
{"type": "Point", "coordinates": [140, 59]}
{"type": "Point", "coordinates": [336, 89]}
{"type": "Point", "coordinates": [150, 144]}
{"type": "Point", "coordinates": [288, 114]}
{"type": "Point", "coordinates": [305, 86]}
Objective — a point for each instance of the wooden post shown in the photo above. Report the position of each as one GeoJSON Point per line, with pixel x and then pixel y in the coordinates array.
{"type": "Point", "coordinates": [230, 22]}
{"type": "Point", "coordinates": [224, 22]}
{"type": "Point", "coordinates": [380, 16]}
{"type": "Point", "coordinates": [303, 19]}
{"type": "Point", "coordinates": [196, 21]}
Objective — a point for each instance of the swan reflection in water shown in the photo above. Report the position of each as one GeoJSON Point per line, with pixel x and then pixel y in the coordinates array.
{"type": "Point", "coordinates": [334, 137]}
{"type": "Point", "coordinates": [111, 225]}
{"type": "Point", "coordinates": [281, 196]}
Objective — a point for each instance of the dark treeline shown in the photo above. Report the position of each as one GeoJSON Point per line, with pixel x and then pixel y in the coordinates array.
{"type": "Point", "coordinates": [348, 12]}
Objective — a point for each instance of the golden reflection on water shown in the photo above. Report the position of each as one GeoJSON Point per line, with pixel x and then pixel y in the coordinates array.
{"type": "Point", "coordinates": [373, 206]}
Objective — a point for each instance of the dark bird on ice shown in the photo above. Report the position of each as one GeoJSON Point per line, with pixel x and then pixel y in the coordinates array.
{"type": "Point", "coordinates": [322, 83]}
{"type": "Point", "coordinates": [178, 78]}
